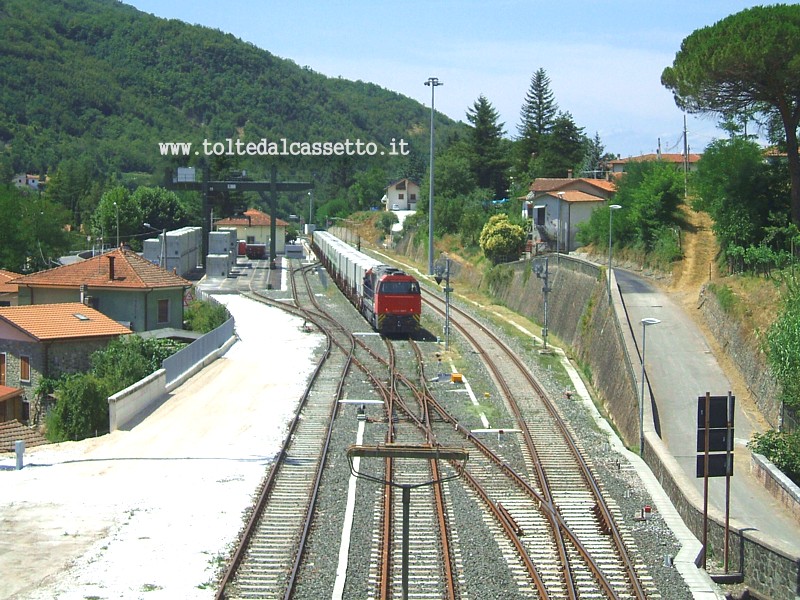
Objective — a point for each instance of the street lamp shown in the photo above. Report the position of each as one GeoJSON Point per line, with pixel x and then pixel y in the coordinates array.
{"type": "Point", "coordinates": [432, 82]}
{"type": "Point", "coordinates": [310, 209]}
{"type": "Point", "coordinates": [117, 207]}
{"type": "Point", "coordinates": [611, 210]}
{"type": "Point", "coordinates": [645, 322]}
{"type": "Point", "coordinates": [162, 234]}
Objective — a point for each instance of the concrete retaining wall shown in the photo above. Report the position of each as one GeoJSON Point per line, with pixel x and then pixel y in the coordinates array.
{"type": "Point", "coordinates": [125, 405]}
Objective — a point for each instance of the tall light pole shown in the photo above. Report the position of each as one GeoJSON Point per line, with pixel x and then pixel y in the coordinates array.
{"type": "Point", "coordinates": [310, 208]}
{"type": "Point", "coordinates": [162, 236]}
{"type": "Point", "coordinates": [645, 322]}
{"type": "Point", "coordinates": [432, 82]}
{"type": "Point", "coordinates": [611, 210]}
{"type": "Point", "coordinates": [117, 207]}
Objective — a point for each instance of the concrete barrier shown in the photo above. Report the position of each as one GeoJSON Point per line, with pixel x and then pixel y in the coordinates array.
{"type": "Point", "coordinates": [126, 404]}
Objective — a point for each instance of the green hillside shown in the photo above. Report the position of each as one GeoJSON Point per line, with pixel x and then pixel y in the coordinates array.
{"type": "Point", "coordinates": [101, 82]}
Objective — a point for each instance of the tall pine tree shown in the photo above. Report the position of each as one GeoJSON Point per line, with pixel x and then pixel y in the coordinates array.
{"type": "Point", "coordinates": [536, 118]}
{"type": "Point", "coordinates": [562, 149]}
{"type": "Point", "coordinates": [487, 147]}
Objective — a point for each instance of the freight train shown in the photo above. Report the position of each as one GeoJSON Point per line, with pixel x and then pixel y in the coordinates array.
{"type": "Point", "coordinates": [388, 298]}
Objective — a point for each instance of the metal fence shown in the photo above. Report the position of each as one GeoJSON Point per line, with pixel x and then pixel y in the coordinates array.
{"type": "Point", "coordinates": [183, 360]}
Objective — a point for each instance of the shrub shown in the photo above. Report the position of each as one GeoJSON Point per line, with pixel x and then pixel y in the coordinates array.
{"type": "Point", "coordinates": [501, 240]}
{"type": "Point", "coordinates": [204, 316]}
{"type": "Point", "coordinates": [783, 339]}
{"type": "Point", "coordinates": [81, 410]}
{"type": "Point", "coordinates": [782, 448]}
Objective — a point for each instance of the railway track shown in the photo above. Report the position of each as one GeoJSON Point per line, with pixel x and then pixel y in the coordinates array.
{"type": "Point", "coordinates": [548, 519]}
{"type": "Point", "coordinates": [596, 551]}
{"type": "Point", "coordinates": [270, 550]}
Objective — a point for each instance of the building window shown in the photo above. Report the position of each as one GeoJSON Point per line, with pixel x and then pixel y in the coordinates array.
{"type": "Point", "coordinates": [25, 368]}
{"type": "Point", "coordinates": [401, 196]}
{"type": "Point", "coordinates": [251, 239]}
{"type": "Point", "coordinates": [2, 368]}
{"type": "Point", "coordinates": [412, 197]}
{"type": "Point", "coordinates": [163, 311]}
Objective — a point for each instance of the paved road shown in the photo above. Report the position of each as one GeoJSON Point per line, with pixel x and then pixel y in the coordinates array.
{"type": "Point", "coordinates": [681, 366]}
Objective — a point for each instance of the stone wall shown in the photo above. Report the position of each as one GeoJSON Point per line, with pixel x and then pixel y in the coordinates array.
{"type": "Point", "coordinates": [777, 483]}
{"type": "Point", "coordinates": [749, 359]}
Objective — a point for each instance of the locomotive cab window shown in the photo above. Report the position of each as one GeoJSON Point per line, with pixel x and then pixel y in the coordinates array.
{"type": "Point", "coordinates": [399, 287]}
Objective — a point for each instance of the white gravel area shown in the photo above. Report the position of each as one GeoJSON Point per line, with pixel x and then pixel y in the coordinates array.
{"type": "Point", "coordinates": [147, 513]}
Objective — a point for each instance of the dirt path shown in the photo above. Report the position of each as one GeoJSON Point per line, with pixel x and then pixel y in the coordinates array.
{"type": "Point", "coordinates": [697, 268]}
{"type": "Point", "coordinates": [700, 250]}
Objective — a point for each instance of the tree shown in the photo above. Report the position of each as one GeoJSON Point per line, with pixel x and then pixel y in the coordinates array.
{"type": "Point", "coordinates": [562, 149]}
{"type": "Point", "coordinates": [81, 410]}
{"type": "Point", "coordinates": [70, 186]}
{"type": "Point", "coordinates": [485, 142]}
{"type": "Point", "coordinates": [650, 194]}
{"type": "Point", "coordinates": [537, 115]}
{"type": "Point", "coordinates": [596, 159]}
{"type": "Point", "coordinates": [734, 186]}
{"type": "Point", "coordinates": [116, 205]}
{"type": "Point", "coordinates": [501, 240]}
{"type": "Point", "coordinates": [368, 188]}
{"type": "Point", "coordinates": [32, 231]}
{"type": "Point", "coordinates": [128, 359]}
{"type": "Point", "coordinates": [747, 61]}
{"type": "Point", "coordinates": [159, 207]}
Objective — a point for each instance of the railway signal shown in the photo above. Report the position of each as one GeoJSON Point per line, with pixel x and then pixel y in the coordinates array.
{"type": "Point", "coordinates": [444, 273]}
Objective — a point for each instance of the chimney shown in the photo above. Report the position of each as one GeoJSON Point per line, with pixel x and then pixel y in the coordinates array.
{"type": "Point", "coordinates": [110, 268]}
{"type": "Point", "coordinates": [569, 173]}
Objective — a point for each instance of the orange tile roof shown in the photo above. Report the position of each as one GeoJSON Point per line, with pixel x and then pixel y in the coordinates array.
{"type": "Point", "coordinates": [551, 184]}
{"type": "Point", "coordinates": [13, 430]}
{"type": "Point", "coordinates": [5, 277]}
{"type": "Point", "coordinates": [666, 157]}
{"type": "Point", "coordinates": [61, 321]}
{"type": "Point", "coordinates": [578, 196]}
{"type": "Point", "coordinates": [131, 271]}
{"type": "Point", "coordinates": [7, 392]}
{"type": "Point", "coordinates": [251, 218]}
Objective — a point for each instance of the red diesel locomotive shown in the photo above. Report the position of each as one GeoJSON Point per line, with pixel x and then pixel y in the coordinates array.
{"type": "Point", "coordinates": [388, 298]}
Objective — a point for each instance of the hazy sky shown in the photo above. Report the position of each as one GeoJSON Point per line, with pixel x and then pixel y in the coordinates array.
{"type": "Point", "coordinates": [604, 59]}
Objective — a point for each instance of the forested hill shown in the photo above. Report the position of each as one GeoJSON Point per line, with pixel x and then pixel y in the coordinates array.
{"type": "Point", "coordinates": [100, 80]}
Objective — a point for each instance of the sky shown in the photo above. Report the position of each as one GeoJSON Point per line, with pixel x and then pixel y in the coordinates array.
{"type": "Point", "coordinates": [604, 59]}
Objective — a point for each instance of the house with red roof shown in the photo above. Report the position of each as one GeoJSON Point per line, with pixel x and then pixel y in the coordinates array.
{"type": "Point", "coordinates": [8, 291]}
{"type": "Point", "coordinates": [120, 284]}
{"type": "Point", "coordinates": [46, 340]}
{"type": "Point", "coordinates": [556, 206]}
{"type": "Point", "coordinates": [254, 227]}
